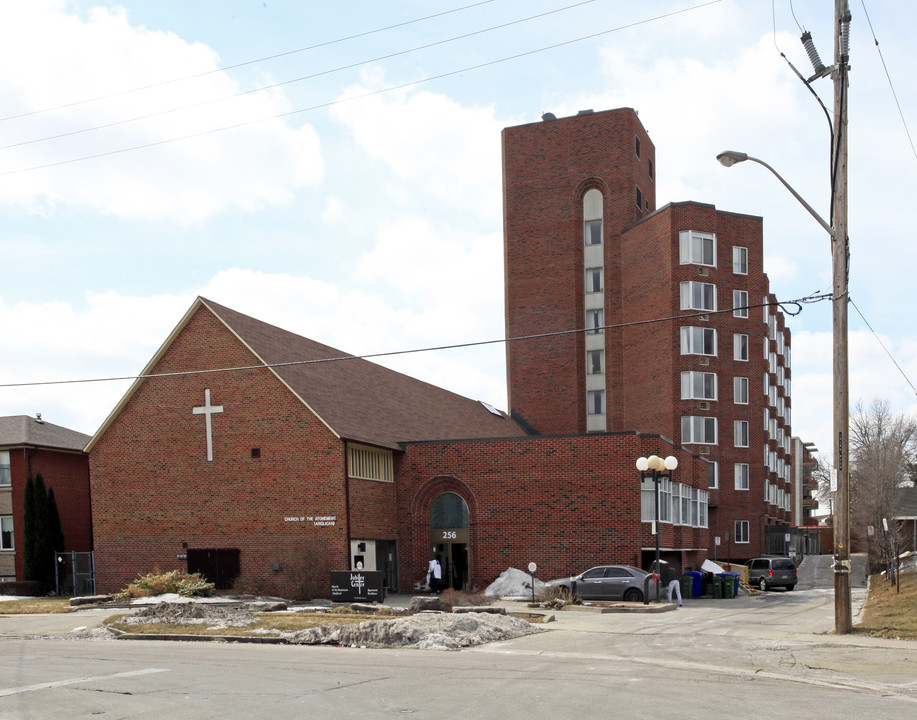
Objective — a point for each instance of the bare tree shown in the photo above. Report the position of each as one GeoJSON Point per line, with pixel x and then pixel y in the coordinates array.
{"type": "Point", "coordinates": [822, 492]}
{"type": "Point", "coordinates": [882, 455]}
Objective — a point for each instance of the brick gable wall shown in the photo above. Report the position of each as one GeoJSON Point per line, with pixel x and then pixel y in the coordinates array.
{"type": "Point", "coordinates": [155, 495]}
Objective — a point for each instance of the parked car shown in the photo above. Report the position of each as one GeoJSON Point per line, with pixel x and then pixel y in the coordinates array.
{"type": "Point", "coordinates": [765, 573]}
{"type": "Point", "coordinates": [606, 582]}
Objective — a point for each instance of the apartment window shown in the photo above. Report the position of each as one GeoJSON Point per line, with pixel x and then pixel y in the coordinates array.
{"type": "Point", "coordinates": [639, 198]}
{"type": "Point", "coordinates": [595, 321]}
{"type": "Point", "coordinates": [741, 476]}
{"type": "Point", "coordinates": [740, 260]}
{"type": "Point", "coordinates": [637, 146]}
{"type": "Point", "coordinates": [595, 402]}
{"type": "Point", "coordinates": [696, 248]}
{"type": "Point", "coordinates": [740, 347]}
{"type": "Point", "coordinates": [6, 533]}
{"type": "Point", "coordinates": [740, 390]}
{"type": "Point", "coordinates": [740, 431]}
{"type": "Point", "coordinates": [595, 362]}
{"type": "Point", "coordinates": [740, 303]}
{"type": "Point", "coordinates": [651, 166]}
{"type": "Point", "coordinates": [698, 430]}
{"type": "Point", "coordinates": [698, 341]}
{"type": "Point", "coordinates": [698, 296]}
{"type": "Point", "coordinates": [594, 280]}
{"type": "Point", "coordinates": [698, 386]}
{"type": "Point", "coordinates": [713, 475]}
{"type": "Point", "coordinates": [5, 477]}
{"type": "Point", "coordinates": [593, 232]}
{"type": "Point", "coordinates": [741, 531]}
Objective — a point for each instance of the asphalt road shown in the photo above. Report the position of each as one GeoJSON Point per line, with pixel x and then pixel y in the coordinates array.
{"type": "Point", "coordinates": [772, 653]}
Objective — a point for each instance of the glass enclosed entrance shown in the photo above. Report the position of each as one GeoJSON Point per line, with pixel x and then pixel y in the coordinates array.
{"type": "Point", "coordinates": [449, 538]}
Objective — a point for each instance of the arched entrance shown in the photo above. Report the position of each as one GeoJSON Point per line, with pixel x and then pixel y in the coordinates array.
{"type": "Point", "coordinates": [449, 537]}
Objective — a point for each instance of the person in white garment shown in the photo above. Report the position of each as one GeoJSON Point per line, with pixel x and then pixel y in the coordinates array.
{"type": "Point", "coordinates": [435, 576]}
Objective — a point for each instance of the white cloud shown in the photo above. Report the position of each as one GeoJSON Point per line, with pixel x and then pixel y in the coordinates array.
{"type": "Point", "coordinates": [51, 58]}
{"type": "Point", "coordinates": [431, 141]}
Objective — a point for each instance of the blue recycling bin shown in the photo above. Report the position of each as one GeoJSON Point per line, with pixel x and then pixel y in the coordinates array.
{"type": "Point", "coordinates": [697, 580]}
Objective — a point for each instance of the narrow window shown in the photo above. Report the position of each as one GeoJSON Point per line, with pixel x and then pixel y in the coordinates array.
{"type": "Point", "coordinates": [637, 147]}
{"type": "Point", "coordinates": [6, 533]}
{"type": "Point", "coordinates": [5, 477]}
{"type": "Point", "coordinates": [595, 321]}
{"type": "Point", "coordinates": [740, 429]}
{"type": "Point", "coordinates": [741, 531]}
{"type": "Point", "coordinates": [651, 166]}
{"type": "Point", "coordinates": [741, 472]}
{"type": "Point", "coordinates": [713, 475]}
{"type": "Point", "coordinates": [594, 280]}
{"type": "Point", "coordinates": [595, 400]}
{"type": "Point", "coordinates": [595, 362]}
{"type": "Point", "coordinates": [740, 347]}
{"type": "Point", "coordinates": [593, 232]}
{"type": "Point", "coordinates": [740, 390]}
{"type": "Point", "coordinates": [740, 303]}
{"type": "Point", "coordinates": [740, 260]}
{"type": "Point", "coordinates": [639, 198]}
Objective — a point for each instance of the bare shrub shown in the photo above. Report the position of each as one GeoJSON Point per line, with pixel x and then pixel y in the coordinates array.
{"type": "Point", "coordinates": [456, 598]}
{"type": "Point", "coordinates": [175, 581]}
{"type": "Point", "coordinates": [303, 572]}
{"type": "Point", "coordinates": [557, 596]}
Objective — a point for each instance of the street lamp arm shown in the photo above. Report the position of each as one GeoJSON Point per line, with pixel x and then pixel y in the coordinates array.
{"type": "Point", "coordinates": [731, 157]}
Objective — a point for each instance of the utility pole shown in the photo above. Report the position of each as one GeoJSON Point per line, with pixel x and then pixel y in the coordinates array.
{"type": "Point", "coordinates": [840, 257]}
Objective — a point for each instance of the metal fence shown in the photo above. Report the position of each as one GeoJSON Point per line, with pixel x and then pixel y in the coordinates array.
{"type": "Point", "coordinates": [74, 573]}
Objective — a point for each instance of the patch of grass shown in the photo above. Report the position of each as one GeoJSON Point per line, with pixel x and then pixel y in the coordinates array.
{"type": "Point", "coordinates": [34, 606]}
{"type": "Point", "coordinates": [266, 624]}
{"type": "Point", "coordinates": [889, 613]}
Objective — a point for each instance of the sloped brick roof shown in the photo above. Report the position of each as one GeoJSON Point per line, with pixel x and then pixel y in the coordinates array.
{"type": "Point", "coordinates": [360, 400]}
{"type": "Point", "coordinates": [17, 430]}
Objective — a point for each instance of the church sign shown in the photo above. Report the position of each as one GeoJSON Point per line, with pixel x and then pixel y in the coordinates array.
{"type": "Point", "coordinates": [357, 586]}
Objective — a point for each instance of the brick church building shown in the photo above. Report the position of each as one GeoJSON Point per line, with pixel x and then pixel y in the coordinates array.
{"type": "Point", "coordinates": [256, 455]}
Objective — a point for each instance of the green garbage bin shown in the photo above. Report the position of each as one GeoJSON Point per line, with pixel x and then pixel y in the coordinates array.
{"type": "Point", "coordinates": [687, 586]}
{"type": "Point", "coordinates": [717, 587]}
{"type": "Point", "coordinates": [728, 587]}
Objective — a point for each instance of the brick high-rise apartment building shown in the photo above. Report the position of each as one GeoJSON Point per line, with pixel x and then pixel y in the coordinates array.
{"type": "Point", "coordinates": [659, 321]}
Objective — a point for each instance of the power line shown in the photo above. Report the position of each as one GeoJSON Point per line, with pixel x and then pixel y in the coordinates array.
{"type": "Point", "coordinates": [887, 352]}
{"type": "Point", "coordinates": [783, 305]}
{"type": "Point", "coordinates": [890, 83]}
{"type": "Point", "coordinates": [331, 103]}
{"type": "Point", "coordinates": [303, 78]}
{"type": "Point", "coordinates": [245, 63]}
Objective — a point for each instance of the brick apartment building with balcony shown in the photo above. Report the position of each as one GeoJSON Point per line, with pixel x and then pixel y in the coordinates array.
{"type": "Point", "coordinates": [680, 334]}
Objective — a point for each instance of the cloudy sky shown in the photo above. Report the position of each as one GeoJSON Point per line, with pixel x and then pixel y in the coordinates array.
{"type": "Point", "coordinates": [334, 169]}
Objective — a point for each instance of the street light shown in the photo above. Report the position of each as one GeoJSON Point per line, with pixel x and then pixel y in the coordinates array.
{"type": "Point", "coordinates": [839, 262]}
{"type": "Point", "coordinates": [729, 158]}
{"type": "Point", "coordinates": [657, 467]}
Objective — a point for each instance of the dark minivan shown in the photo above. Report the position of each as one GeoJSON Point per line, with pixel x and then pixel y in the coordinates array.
{"type": "Point", "coordinates": [765, 573]}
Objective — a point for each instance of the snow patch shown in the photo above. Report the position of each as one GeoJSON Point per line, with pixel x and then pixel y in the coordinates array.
{"type": "Point", "coordinates": [514, 583]}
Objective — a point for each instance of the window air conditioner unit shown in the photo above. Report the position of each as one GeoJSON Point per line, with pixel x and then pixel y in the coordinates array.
{"type": "Point", "coordinates": [702, 271]}
{"type": "Point", "coordinates": [705, 406]}
{"type": "Point", "coordinates": [704, 361]}
{"type": "Point", "coordinates": [704, 450]}
{"type": "Point", "coordinates": [703, 318]}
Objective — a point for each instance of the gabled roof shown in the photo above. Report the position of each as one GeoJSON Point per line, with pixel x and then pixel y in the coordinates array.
{"type": "Point", "coordinates": [357, 399]}
{"type": "Point", "coordinates": [19, 430]}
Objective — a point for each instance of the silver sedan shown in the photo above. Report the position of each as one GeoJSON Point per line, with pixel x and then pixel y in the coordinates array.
{"type": "Point", "coordinates": [606, 582]}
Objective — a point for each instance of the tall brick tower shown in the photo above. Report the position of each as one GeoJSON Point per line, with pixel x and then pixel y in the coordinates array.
{"type": "Point", "coordinates": [664, 319]}
{"type": "Point", "coordinates": [569, 187]}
